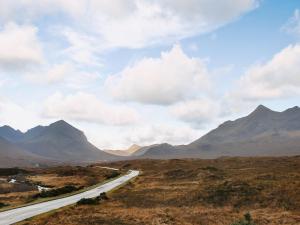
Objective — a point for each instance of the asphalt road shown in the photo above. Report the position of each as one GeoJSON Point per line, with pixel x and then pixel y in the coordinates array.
{"type": "Point", "coordinates": [19, 214]}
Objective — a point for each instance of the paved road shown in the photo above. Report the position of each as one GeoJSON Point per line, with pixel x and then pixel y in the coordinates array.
{"type": "Point", "coordinates": [17, 215]}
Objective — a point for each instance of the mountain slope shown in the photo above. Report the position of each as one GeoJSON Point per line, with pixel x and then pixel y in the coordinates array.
{"type": "Point", "coordinates": [10, 134]}
{"type": "Point", "coordinates": [262, 133]}
{"type": "Point", "coordinates": [63, 142]}
{"type": "Point", "coordinates": [12, 156]}
{"type": "Point", "coordinates": [262, 121]}
{"type": "Point", "coordinates": [131, 150]}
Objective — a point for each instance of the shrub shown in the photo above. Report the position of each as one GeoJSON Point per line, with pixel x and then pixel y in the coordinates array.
{"type": "Point", "coordinates": [102, 196]}
{"type": "Point", "coordinates": [246, 221]}
{"type": "Point", "coordinates": [56, 192]}
{"type": "Point", "coordinates": [88, 201]}
{"type": "Point", "coordinates": [93, 201]}
{"type": "Point", "coordinates": [113, 174]}
{"type": "Point", "coordinates": [2, 205]}
{"type": "Point", "coordinates": [11, 171]}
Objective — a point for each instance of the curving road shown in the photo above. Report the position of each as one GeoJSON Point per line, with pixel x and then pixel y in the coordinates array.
{"type": "Point", "coordinates": [19, 214]}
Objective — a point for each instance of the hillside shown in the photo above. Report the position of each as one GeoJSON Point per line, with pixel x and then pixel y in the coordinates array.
{"type": "Point", "coordinates": [262, 133]}
{"type": "Point", "coordinates": [12, 156]}
{"type": "Point", "coordinates": [10, 134]}
{"type": "Point", "coordinates": [58, 142]}
{"type": "Point", "coordinates": [61, 141]}
{"type": "Point", "coordinates": [127, 152]}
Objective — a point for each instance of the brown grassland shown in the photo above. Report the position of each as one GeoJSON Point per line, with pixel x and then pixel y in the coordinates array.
{"type": "Point", "coordinates": [206, 192]}
{"type": "Point", "coordinates": [21, 192]}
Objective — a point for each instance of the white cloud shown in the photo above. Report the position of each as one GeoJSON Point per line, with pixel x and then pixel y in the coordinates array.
{"type": "Point", "coordinates": [87, 107]}
{"type": "Point", "coordinates": [54, 74]}
{"type": "Point", "coordinates": [16, 115]}
{"type": "Point", "coordinates": [172, 77]}
{"type": "Point", "coordinates": [293, 25]}
{"type": "Point", "coordinates": [198, 112]}
{"type": "Point", "coordinates": [82, 48]}
{"type": "Point", "coordinates": [66, 73]}
{"type": "Point", "coordinates": [148, 22]}
{"type": "Point", "coordinates": [162, 133]}
{"type": "Point", "coordinates": [19, 47]}
{"type": "Point", "coordinates": [277, 78]}
{"type": "Point", "coordinates": [132, 23]}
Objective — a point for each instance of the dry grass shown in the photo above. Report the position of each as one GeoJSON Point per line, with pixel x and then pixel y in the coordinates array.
{"type": "Point", "coordinates": [17, 194]}
{"type": "Point", "coordinates": [207, 192]}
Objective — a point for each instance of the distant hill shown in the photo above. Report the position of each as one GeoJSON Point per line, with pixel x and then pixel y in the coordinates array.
{"type": "Point", "coordinates": [10, 134]}
{"type": "Point", "coordinates": [157, 151]}
{"type": "Point", "coordinates": [12, 156]}
{"type": "Point", "coordinates": [59, 142]}
{"type": "Point", "coordinates": [262, 133]}
{"type": "Point", "coordinates": [131, 150]}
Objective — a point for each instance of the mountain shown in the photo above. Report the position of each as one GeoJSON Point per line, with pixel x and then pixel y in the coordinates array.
{"type": "Point", "coordinates": [10, 134]}
{"type": "Point", "coordinates": [131, 150]}
{"type": "Point", "coordinates": [157, 151]}
{"type": "Point", "coordinates": [11, 156]}
{"type": "Point", "coordinates": [59, 142]}
{"type": "Point", "coordinates": [262, 133]}
{"type": "Point", "coordinates": [63, 142]}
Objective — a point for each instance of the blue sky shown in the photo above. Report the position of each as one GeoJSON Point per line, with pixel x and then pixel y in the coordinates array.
{"type": "Point", "coordinates": [144, 72]}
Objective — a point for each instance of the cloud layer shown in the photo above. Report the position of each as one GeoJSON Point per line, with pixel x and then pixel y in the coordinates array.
{"type": "Point", "coordinates": [140, 22]}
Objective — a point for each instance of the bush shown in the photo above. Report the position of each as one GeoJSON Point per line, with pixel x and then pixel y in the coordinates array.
{"type": "Point", "coordinates": [2, 205]}
{"type": "Point", "coordinates": [56, 192]}
{"type": "Point", "coordinates": [246, 221]}
{"type": "Point", "coordinates": [112, 174]}
{"type": "Point", "coordinates": [88, 201]}
{"type": "Point", "coordinates": [93, 201]}
{"type": "Point", "coordinates": [11, 171]}
{"type": "Point", "coordinates": [102, 196]}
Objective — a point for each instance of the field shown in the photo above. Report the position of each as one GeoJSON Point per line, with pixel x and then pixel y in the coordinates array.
{"type": "Point", "coordinates": [64, 179]}
{"type": "Point", "coordinates": [207, 192]}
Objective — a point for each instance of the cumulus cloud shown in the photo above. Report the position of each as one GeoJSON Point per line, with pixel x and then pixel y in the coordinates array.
{"type": "Point", "coordinates": [172, 77]}
{"type": "Point", "coordinates": [276, 78]}
{"type": "Point", "coordinates": [140, 22]}
{"type": "Point", "coordinates": [198, 112]}
{"type": "Point", "coordinates": [87, 107]}
{"type": "Point", "coordinates": [19, 47]}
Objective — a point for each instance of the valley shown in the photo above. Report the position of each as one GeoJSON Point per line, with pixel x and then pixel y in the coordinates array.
{"type": "Point", "coordinates": [195, 191]}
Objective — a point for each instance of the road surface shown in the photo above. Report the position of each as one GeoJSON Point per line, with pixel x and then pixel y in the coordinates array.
{"type": "Point", "coordinates": [19, 214]}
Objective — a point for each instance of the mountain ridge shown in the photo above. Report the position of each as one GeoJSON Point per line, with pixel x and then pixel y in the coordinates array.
{"type": "Point", "coordinates": [59, 141]}
{"type": "Point", "coordinates": [261, 132]}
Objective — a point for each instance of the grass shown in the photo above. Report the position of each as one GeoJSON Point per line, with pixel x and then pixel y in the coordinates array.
{"type": "Point", "coordinates": [46, 199]}
{"type": "Point", "coordinates": [205, 192]}
{"type": "Point", "coordinates": [247, 220]}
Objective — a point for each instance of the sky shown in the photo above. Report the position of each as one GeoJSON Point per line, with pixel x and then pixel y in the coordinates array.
{"type": "Point", "coordinates": [146, 71]}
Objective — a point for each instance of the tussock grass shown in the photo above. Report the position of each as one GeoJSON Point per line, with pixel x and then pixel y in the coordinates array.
{"type": "Point", "coordinates": [205, 192]}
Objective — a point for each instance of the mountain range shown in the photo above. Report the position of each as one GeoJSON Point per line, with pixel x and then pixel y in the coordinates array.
{"type": "Point", "coordinates": [57, 143]}
{"type": "Point", "coordinates": [263, 132]}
